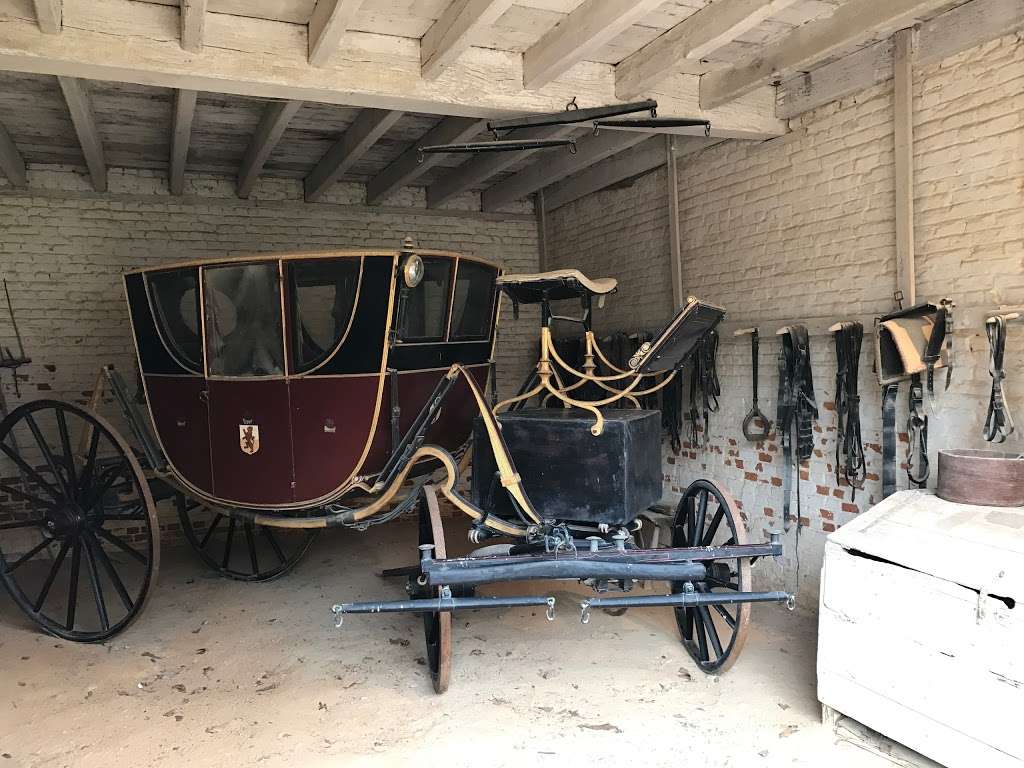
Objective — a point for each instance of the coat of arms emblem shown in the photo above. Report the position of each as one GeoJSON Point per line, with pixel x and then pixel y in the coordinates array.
{"type": "Point", "coordinates": [249, 438]}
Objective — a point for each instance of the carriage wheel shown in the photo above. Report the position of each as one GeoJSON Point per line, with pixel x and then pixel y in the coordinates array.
{"type": "Point", "coordinates": [76, 500]}
{"type": "Point", "coordinates": [437, 626]}
{"type": "Point", "coordinates": [713, 635]}
{"type": "Point", "coordinates": [241, 549]}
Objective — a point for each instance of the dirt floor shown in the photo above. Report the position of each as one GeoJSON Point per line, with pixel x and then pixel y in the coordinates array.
{"type": "Point", "coordinates": [224, 673]}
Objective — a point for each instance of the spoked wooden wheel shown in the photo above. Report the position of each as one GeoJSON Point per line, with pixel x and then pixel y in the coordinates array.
{"type": "Point", "coordinates": [241, 549]}
{"type": "Point", "coordinates": [713, 635]}
{"type": "Point", "coordinates": [75, 500]}
{"type": "Point", "coordinates": [437, 626]}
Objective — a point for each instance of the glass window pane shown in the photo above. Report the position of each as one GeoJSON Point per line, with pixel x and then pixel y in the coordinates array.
{"type": "Point", "coordinates": [474, 297]}
{"type": "Point", "coordinates": [426, 306]}
{"type": "Point", "coordinates": [243, 320]}
{"type": "Point", "coordinates": [323, 295]}
{"type": "Point", "coordinates": [176, 306]}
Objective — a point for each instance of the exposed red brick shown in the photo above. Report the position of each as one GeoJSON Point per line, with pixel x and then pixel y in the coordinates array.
{"type": "Point", "coordinates": [739, 463]}
{"type": "Point", "coordinates": [827, 514]}
{"type": "Point", "coordinates": [828, 527]}
{"type": "Point", "coordinates": [769, 512]}
{"type": "Point", "coordinates": [749, 476]}
{"type": "Point", "coordinates": [805, 475]}
{"type": "Point", "coordinates": [838, 493]}
{"type": "Point", "coordinates": [762, 456]}
{"type": "Point", "coordinates": [822, 490]}
{"type": "Point", "coordinates": [853, 509]}
{"type": "Point", "coordinates": [777, 482]}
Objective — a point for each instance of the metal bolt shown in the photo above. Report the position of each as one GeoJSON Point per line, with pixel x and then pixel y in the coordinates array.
{"type": "Point", "coordinates": [595, 542]}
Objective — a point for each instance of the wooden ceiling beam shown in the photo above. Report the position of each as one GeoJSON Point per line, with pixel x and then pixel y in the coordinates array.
{"type": "Point", "coordinates": [330, 20]}
{"type": "Point", "coordinates": [957, 30]}
{"type": "Point", "coordinates": [579, 35]}
{"type": "Point", "coordinates": [853, 22]}
{"type": "Point", "coordinates": [450, 36]}
{"type": "Point", "coordinates": [709, 29]}
{"type": "Point", "coordinates": [275, 119]}
{"type": "Point", "coordinates": [136, 42]}
{"type": "Point", "coordinates": [410, 165]}
{"type": "Point", "coordinates": [193, 25]}
{"type": "Point", "coordinates": [181, 136]}
{"type": "Point", "coordinates": [11, 162]}
{"type": "Point", "coordinates": [48, 15]}
{"type": "Point", "coordinates": [82, 117]}
{"type": "Point", "coordinates": [554, 165]}
{"type": "Point", "coordinates": [475, 171]}
{"type": "Point", "coordinates": [364, 132]}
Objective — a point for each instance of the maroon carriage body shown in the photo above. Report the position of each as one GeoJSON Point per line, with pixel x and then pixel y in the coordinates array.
{"type": "Point", "coordinates": [269, 378]}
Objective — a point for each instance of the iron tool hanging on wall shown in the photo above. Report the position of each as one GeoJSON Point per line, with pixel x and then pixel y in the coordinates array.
{"type": "Point", "coordinates": [797, 410]}
{"type": "Point", "coordinates": [909, 343]}
{"type": "Point", "coordinates": [998, 421]}
{"type": "Point", "coordinates": [850, 464]}
{"type": "Point", "coordinates": [756, 426]}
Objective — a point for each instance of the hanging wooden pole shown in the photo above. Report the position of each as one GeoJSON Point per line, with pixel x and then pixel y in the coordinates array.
{"type": "Point", "coordinates": [675, 251]}
{"type": "Point", "coordinates": [903, 127]}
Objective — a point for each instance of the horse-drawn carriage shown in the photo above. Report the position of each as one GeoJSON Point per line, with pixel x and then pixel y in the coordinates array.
{"type": "Point", "coordinates": [288, 393]}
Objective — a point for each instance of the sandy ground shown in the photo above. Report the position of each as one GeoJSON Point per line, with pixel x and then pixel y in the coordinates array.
{"type": "Point", "coordinates": [223, 673]}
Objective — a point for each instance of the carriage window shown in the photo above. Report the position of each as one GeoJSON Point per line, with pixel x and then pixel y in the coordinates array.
{"type": "Point", "coordinates": [426, 307]}
{"type": "Point", "coordinates": [176, 306]}
{"type": "Point", "coordinates": [474, 296]}
{"type": "Point", "coordinates": [243, 320]}
{"type": "Point", "coordinates": [323, 295]}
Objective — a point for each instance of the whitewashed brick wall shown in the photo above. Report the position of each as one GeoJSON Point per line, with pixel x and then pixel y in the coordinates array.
{"type": "Point", "coordinates": [801, 229]}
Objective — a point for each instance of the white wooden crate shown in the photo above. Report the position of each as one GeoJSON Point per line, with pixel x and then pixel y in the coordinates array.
{"type": "Point", "coordinates": [917, 636]}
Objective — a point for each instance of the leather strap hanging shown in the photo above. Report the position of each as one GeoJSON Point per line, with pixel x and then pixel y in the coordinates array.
{"type": "Point", "coordinates": [998, 422]}
{"type": "Point", "coordinates": [850, 463]}
{"type": "Point", "coordinates": [705, 387]}
{"type": "Point", "coordinates": [797, 410]}
{"type": "Point", "coordinates": [756, 426]}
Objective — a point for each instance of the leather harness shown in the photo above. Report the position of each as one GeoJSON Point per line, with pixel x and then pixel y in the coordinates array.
{"type": "Point", "coordinates": [797, 410]}
{"type": "Point", "coordinates": [703, 379]}
{"type": "Point", "coordinates": [850, 464]}
{"type": "Point", "coordinates": [998, 422]}
{"type": "Point", "coordinates": [751, 431]}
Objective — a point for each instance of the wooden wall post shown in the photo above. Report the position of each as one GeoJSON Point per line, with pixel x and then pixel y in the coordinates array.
{"type": "Point", "coordinates": [903, 128]}
{"type": "Point", "coordinates": [675, 250]}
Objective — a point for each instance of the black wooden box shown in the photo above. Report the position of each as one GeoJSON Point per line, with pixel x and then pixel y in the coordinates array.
{"type": "Point", "coordinates": [568, 473]}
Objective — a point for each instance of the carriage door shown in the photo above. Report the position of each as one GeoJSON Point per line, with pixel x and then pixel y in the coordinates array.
{"type": "Point", "coordinates": [250, 428]}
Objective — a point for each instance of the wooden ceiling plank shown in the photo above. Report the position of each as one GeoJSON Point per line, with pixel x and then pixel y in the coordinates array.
{"type": "Point", "coordinates": [368, 127]}
{"type": "Point", "coordinates": [11, 161]}
{"type": "Point", "coordinates": [80, 108]}
{"type": "Point", "coordinates": [555, 165]}
{"type": "Point", "coordinates": [479, 169]}
{"type": "Point", "coordinates": [193, 25]}
{"type": "Point", "coordinates": [450, 36]}
{"type": "Point", "coordinates": [579, 35]}
{"type": "Point", "coordinates": [48, 15]}
{"type": "Point", "coordinates": [273, 123]}
{"type": "Point", "coordinates": [126, 41]}
{"type": "Point", "coordinates": [181, 135]}
{"type": "Point", "coordinates": [409, 166]}
{"type": "Point", "coordinates": [853, 22]}
{"type": "Point", "coordinates": [702, 34]}
{"type": "Point", "coordinates": [330, 20]}
{"type": "Point", "coordinates": [957, 30]}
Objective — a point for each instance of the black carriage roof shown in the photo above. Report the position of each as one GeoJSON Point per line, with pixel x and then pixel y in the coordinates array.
{"type": "Point", "coordinates": [292, 255]}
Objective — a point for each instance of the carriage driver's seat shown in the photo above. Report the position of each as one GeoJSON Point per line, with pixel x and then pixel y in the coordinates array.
{"type": "Point", "coordinates": [556, 285]}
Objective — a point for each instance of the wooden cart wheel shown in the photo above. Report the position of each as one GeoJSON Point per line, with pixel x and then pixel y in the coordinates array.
{"type": "Point", "coordinates": [713, 635]}
{"type": "Point", "coordinates": [241, 549]}
{"type": "Point", "coordinates": [75, 499]}
{"type": "Point", "coordinates": [437, 626]}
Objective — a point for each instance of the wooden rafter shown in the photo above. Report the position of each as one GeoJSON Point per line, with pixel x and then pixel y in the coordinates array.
{"type": "Point", "coordinates": [957, 30]}
{"type": "Point", "coordinates": [330, 20]}
{"type": "Point", "coordinates": [555, 165]}
{"type": "Point", "coordinates": [410, 165]}
{"type": "Point", "coordinates": [11, 162]}
{"type": "Point", "coordinates": [579, 35]}
{"type": "Point", "coordinates": [80, 108]}
{"type": "Point", "coordinates": [273, 123]}
{"type": "Point", "coordinates": [48, 15]}
{"type": "Point", "coordinates": [449, 36]}
{"type": "Point", "coordinates": [181, 135]}
{"type": "Point", "coordinates": [475, 171]}
{"type": "Point", "coordinates": [368, 127]}
{"type": "Point", "coordinates": [126, 41]}
{"type": "Point", "coordinates": [193, 24]}
{"type": "Point", "coordinates": [712, 27]}
{"type": "Point", "coordinates": [852, 23]}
